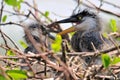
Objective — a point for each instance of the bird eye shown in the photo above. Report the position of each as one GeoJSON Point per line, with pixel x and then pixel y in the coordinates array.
{"type": "Point", "coordinates": [79, 17]}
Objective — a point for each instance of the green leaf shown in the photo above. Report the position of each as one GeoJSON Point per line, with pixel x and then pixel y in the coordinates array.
{"type": "Point", "coordinates": [115, 60]}
{"type": "Point", "coordinates": [14, 3]}
{"type": "Point", "coordinates": [46, 13]}
{"type": "Point", "coordinates": [17, 74]}
{"type": "Point", "coordinates": [118, 38]}
{"type": "Point", "coordinates": [2, 77]}
{"type": "Point", "coordinates": [19, 4]}
{"type": "Point", "coordinates": [105, 35]}
{"type": "Point", "coordinates": [113, 25]}
{"type": "Point", "coordinates": [4, 18]}
{"type": "Point", "coordinates": [23, 44]}
{"type": "Point", "coordinates": [106, 60]}
{"type": "Point", "coordinates": [11, 2]}
{"type": "Point", "coordinates": [56, 45]}
{"type": "Point", "coordinates": [10, 53]}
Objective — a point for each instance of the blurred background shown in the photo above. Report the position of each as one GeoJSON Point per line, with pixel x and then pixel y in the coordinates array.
{"type": "Point", "coordinates": [57, 9]}
{"type": "Point", "coordinates": [29, 41]}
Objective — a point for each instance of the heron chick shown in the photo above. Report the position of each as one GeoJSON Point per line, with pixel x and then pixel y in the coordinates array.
{"type": "Point", "coordinates": [39, 33]}
{"type": "Point", "coordinates": [88, 31]}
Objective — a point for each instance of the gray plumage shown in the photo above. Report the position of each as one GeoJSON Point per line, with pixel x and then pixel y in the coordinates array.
{"type": "Point", "coordinates": [36, 30]}
{"type": "Point", "coordinates": [84, 43]}
{"type": "Point", "coordinates": [88, 31]}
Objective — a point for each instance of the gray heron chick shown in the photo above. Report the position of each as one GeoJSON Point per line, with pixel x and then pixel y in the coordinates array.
{"type": "Point", "coordinates": [88, 31]}
{"type": "Point", "coordinates": [39, 33]}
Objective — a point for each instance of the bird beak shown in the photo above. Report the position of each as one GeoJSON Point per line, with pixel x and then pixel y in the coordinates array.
{"type": "Point", "coordinates": [71, 29]}
{"type": "Point", "coordinates": [68, 20]}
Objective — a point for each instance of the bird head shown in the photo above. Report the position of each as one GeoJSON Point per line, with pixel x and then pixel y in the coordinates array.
{"type": "Point", "coordinates": [84, 20]}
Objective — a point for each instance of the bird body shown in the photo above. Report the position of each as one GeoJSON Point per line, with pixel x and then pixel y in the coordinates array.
{"type": "Point", "coordinates": [86, 42]}
{"type": "Point", "coordinates": [88, 31]}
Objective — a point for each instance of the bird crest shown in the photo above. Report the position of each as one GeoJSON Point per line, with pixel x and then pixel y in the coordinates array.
{"type": "Point", "coordinates": [84, 13]}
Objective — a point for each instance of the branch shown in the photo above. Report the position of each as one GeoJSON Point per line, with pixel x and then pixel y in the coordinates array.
{"type": "Point", "coordinates": [38, 11]}
{"type": "Point", "coordinates": [103, 10]}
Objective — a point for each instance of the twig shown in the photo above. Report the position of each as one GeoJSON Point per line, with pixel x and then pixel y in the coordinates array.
{"type": "Point", "coordinates": [0, 22]}
{"type": "Point", "coordinates": [13, 62]}
{"type": "Point", "coordinates": [65, 67]}
{"type": "Point", "coordinates": [109, 3]}
{"type": "Point", "coordinates": [103, 10]}
{"type": "Point", "coordinates": [1, 12]}
{"type": "Point", "coordinates": [37, 48]}
{"type": "Point", "coordinates": [9, 39]}
{"type": "Point", "coordinates": [3, 72]}
{"type": "Point", "coordinates": [93, 53]}
{"type": "Point", "coordinates": [63, 57]}
{"type": "Point", "coordinates": [104, 77]}
{"type": "Point", "coordinates": [3, 37]}
{"type": "Point", "coordinates": [100, 68]}
{"type": "Point", "coordinates": [38, 11]}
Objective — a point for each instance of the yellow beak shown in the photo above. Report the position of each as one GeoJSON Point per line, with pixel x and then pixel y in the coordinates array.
{"type": "Point", "coordinates": [71, 29]}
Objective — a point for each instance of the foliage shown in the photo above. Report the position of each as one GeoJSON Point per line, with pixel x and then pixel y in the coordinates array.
{"type": "Point", "coordinates": [23, 44]}
{"type": "Point", "coordinates": [14, 74]}
{"type": "Point", "coordinates": [46, 13]}
{"type": "Point", "coordinates": [10, 53]}
{"type": "Point", "coordinates": [105, 35]}
{"type": "Point", "coordinates": [2, 77]}
{"type": "Point", "coordinates": [107, 60]}
{"type": "Point", "coordinates": [56, 44]}
{"type": "Point", "coordinates": [115, 60]}
{"type": "Point", "coordinates": [17, 74]}
{"type": "Point", "coordinates": [113, 25]}
{"type": "Point", "coordinates": [14, 3]}
{"type": "Point", "coordinates": [4, 18]}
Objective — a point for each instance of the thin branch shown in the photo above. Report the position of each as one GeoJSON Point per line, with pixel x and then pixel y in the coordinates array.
{"type": "Point", "coordinates": [10, 39]}
{"type": "Point", "coordinates": [38, 11]}
{"type": "Point", "coordinates": [109, 3]}
{"type": "Point", "coordinates": [63, 57]}
{"type": "Point", "coordinates": [103, 10]}
{"type": "Point", "coordinates": [3, 72]}
{"type": "Point", "coordinates": [1, 12]}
